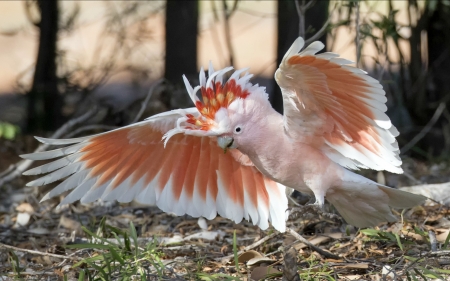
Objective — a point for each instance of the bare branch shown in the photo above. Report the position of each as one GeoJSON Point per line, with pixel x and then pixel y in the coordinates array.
{"type": "Point", "coordinates": [301, 10]}
{"type": "Point", "coordinates": [228, 14]}
{"type": "Point", "coordinates": [23, 165]}
{"type": "Point", "coordinates": [357, 39]}
{"type": "Point", "coordinates": [89, 128]}
{"type": "Point", "coordinates": [39, 253]}
{"type": "Point", "coordinates": [319, 33]}
{"type": "Point", "coordinates": [310, 245]}
{"type": "Point", "coordinates": [249, 247]}
{"type": "Point", "coordinates": [426, 129]}
{"type": "Point", "coordinates": [147, 99]}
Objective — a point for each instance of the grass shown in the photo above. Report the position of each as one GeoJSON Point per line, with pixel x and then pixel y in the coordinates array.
{"type": "Point", "coordinates": [116, 254]}
{"type": "Point", "coordinates": [121, 258]}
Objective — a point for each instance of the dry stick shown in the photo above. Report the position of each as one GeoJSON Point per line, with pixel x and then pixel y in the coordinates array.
{"type": "Point", "coordinates": [301, 10]}
{"type": "Point", "coordinates": [310, 245]}
{"type": "Point", "coordinates": [147, 99]}
{"type": "Point", "coordinates": [23, 165]}
{"type": "Point", "coordinates": [227, 14]}
{"type": "Point", "coordinates": [357, 43]}
{"type": "Point", "coordinates": [39, 253]}
{"type": "Point", "coordinates": [249, 247]}
{"type": "Point", "coordinates": [319, 33]}
{"type": "Point", "coordinates": [425, 130]}
{"type": "Point", "coordinates": [89, 128]}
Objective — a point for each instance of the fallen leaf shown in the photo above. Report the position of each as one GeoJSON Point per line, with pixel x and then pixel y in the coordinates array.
{"type": "Point", "coordinates": [354, 266]}
{"type": "Point", "coordinates": [25, 208]}
{"type": "Point", "coordinates": [261, 272]}
{"type": "Point", "coordinates": [69, 223]}
{"type": "Point", "coordinates": [259, 260]}
{"type": "Point", "coordinates": [442, 236]}
{"type": "Point", "coordinates": [246, 256]}
{"type": "Point", "coordinates": [315, 241]}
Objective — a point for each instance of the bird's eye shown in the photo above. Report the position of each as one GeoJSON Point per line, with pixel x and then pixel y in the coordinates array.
{"type": "Point", "coordinates": [238, 130]}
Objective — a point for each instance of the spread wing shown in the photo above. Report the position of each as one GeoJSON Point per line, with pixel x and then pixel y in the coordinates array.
{"type": "Point", "coordinates": [338, 108]}
{"type": "Point", "coordinates": [191, 175]}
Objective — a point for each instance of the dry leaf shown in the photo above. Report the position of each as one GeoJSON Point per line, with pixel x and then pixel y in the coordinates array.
{"type": "Point", "coordinates": [246, 256]}
{"type": "Point", "coordinates": [25, 208]}
{"type": "Point", "coordinates": [442, 236]}
{"type": "Point", "coordinates": [261, 272]}
{"type": "Point", "coordinates": [354, 266]}
{"type": "Point", "coordinates": [69, 223]}
{"type": "Point", "coordinates": [315, 241]}
{"type": "Point", "coordinates": [259, 260]}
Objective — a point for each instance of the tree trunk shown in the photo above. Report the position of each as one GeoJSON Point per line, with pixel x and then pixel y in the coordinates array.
{"type": "Point", "coordinates": [45, 102]}
{"type": "Point", "coordinates": [181, 40]}
{"type": "Point", "coordinates": [288, 31]}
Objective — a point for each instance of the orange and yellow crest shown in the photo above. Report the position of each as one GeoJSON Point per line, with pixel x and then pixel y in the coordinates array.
{"type": "Point", "coordinates": [215, 95]}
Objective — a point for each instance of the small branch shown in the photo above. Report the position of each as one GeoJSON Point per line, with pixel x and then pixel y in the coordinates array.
{"type": "Point", "coordinates": [301, 10]}
{"type": "Point", "coordinates": [301, 19]}
{"type": "Point", "coordinates": [39, 253]}
{"type": "Point", "coordinates": [425, 130]}
{"type": "Point", "coordinates": [310, 245]}
{"type": "Point", "coordinates": [228, 14]}
{"type": "Point", "coordinates": [249, 247]}
{"type": "Point", "coordinates": [319, 33]}
{"type": "Point", "coordinates": [90, 128]}
{"type": "Point", "coordinates": [23, 165]}
{"type": "Point", "coordinates": [147, 99]}
{"type": "Point", "coordinates": [357, 42]}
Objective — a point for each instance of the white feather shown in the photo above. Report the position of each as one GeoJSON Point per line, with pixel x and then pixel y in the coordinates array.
{"type": "Point", "coordinates": [53, 153]}
{"type": "Point", "coordinates": [57, 175]}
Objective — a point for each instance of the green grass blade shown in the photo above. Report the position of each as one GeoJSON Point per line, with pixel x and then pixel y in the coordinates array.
{"type": "Point", "coordinates": [446, 241]}
{"type": "Point", "coordinates": [133, 235]}
{"type": "Point", "coordinates": [399, 242]}
{"type": "Point", "coordinates": [81, 276]}
{"type": "Point", "coordinates": [235, 251]}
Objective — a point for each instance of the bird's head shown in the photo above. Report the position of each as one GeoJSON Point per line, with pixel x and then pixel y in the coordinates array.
{"type": "Point", "coordinates": [225, 110]}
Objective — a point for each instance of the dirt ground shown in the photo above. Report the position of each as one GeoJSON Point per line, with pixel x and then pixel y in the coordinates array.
{"type": "Point", "coordinates": [35, 236]}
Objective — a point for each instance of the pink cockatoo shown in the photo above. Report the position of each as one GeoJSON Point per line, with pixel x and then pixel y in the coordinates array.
{"type": "Point", "coordinates": [333, 120]}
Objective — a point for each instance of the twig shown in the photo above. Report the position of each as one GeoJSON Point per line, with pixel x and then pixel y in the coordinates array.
{"type": "Point", "coordinates": [310, 245]}
{"type": "Point", "coordinates": [89, 128]}
{"type": "Point", "coordinates": [252, 246]}
{"type": "Point", "coordinates": [147, 99]}
{"type": "Point", "coordinates": [319, 33]}
{"type": "Point", "coordinates": [38, 252]}
{"type": "Point", "coordinates": [301, 10]}
{"type": "Point", "coordinates": [23, 165]}
{"type": "Point", "coordinates": [357, 43]}
{"type": "Point", "coordinates": [425, 130]}
{"type": "Point", "coordinates": [228, 13]}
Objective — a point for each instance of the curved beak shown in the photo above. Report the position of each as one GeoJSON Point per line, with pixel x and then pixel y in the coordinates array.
{"type": "Point", "coordinates": [225, 142]}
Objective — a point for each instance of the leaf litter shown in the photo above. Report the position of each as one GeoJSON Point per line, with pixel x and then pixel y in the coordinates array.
{"type": "Point", "coordinates": [84, 241]}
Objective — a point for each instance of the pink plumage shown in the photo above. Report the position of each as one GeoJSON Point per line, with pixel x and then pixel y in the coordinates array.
{"type": "Point", "coordinates": [333, 119]}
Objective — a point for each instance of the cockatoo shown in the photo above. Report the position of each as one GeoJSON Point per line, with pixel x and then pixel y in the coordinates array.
{"type": "Point", "coordinates": [234, 155]}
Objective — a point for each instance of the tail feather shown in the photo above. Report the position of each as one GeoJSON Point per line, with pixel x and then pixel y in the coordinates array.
{"type": "Point", "coordinates": [368, 204]}
{"type": "Point", "coordinates": [402, 199]}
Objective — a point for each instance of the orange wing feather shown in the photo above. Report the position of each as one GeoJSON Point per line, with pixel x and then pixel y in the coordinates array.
{"type": "Point", "coordinates": [190, 175]}
{"type": "Point", "coordinates": [337, 108]}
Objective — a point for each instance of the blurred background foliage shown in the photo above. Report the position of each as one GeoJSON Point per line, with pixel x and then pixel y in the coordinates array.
{"type": "Point", "coordinates": [110, 53]}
